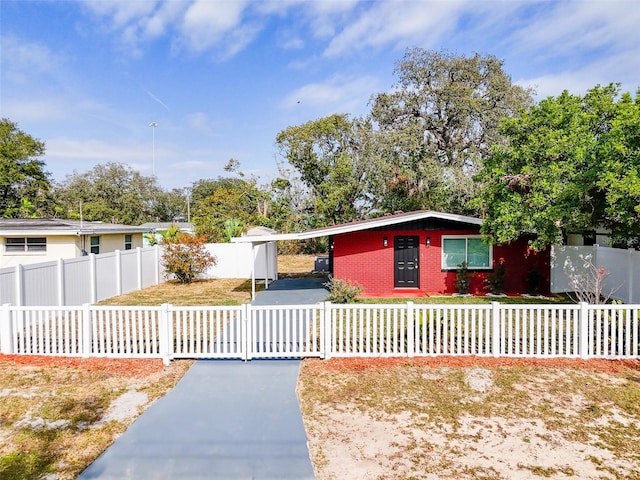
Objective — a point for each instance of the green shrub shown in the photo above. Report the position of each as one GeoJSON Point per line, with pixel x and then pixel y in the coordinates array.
{"type": "Point", "coordinates": [342, 291]}
{"type": "Point", "coordinates": [495, 280]}
{"type": "Point", "coordinates": [463, 279]}
{"type": "Point", "coordinates": [533, 280]}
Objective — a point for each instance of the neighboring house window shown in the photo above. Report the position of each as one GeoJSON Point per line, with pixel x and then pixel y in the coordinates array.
{"type": "Point", "coordinates": [28, 244]}
{"type": "Point", "coordinates": [472, 250]}
{"type": "Point", "coordinates": [95, 244]}
{"type": "Point", "coordinates": [128, 242]}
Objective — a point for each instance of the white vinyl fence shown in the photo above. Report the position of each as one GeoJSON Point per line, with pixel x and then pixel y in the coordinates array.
{"type": "Point", "coordinates": [622, 267]}
{"type": "Point", "coordinates": [323, 330]}
{"type": "Point", "coordinates": [76, 281]}
{"type": "Point", "coordinates": [93, 278]}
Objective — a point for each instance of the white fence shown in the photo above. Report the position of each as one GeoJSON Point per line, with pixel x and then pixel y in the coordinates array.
{"type": "Point", "coordinates": [93, 278]}
{"type": "Point", "coordinates": [242, 260]}
{"type": "Point", "coordinates": [323, 330]}
{"type": "Point", "coordinates": [622, 266]}
{"type": "Point", "coordinates": [76, 281]}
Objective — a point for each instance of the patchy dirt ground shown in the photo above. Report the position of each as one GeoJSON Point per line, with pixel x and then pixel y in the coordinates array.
{"type": "Point", "coordinates": [472, 418]}
{"type": "Point", "coordinates": [58, 414]}
{"type": "Point", "coordinates": [420, 418]}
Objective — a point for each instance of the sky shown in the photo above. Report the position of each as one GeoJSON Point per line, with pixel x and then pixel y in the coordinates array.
{"type": "Point", "coordinates": [221, 79]}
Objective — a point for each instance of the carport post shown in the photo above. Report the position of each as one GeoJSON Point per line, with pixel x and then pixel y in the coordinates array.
{"type": "Point", "coordinates": [253, 271]}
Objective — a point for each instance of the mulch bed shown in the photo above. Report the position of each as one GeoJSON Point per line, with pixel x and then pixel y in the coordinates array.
{"type": "Point", "coordinates": [128, 367]}
{"type": "Point", "coordinates": [363, 364]}
{"type": "Point", "coordinates": [144, 367]}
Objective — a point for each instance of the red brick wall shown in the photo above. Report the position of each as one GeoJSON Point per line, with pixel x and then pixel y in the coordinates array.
{"type": "Point", "coordinates": [361, 257]}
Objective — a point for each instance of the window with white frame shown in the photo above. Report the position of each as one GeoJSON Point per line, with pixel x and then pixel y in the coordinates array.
{"type": "Point", "coordinates": [471, 249]}
{"type": "Point", "coordinates": [25, 245]}
{"type": "Point", "coordinates": [95, 245]}
{"type": "Point", "coordinates": [128, 242]}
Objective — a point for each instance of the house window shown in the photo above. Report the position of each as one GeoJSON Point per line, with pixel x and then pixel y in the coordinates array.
{"type": "Point", "coordinates": [128, 242]}
{"type": "Point", "coordinates": [28, 244]}
{"type": "Point", "coordinates": [472, 250]}
{"type": "Point", "coordinates": [95, 244]}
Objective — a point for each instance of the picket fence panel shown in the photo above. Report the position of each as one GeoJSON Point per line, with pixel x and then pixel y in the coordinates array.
{"type": "Point", "coordinates": [323, 330]}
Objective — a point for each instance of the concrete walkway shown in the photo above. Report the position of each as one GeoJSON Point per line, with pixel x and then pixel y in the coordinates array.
{"type": "Point", "coordinates": [225, 419]}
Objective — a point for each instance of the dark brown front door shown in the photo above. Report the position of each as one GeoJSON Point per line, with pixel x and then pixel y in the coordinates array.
{"type": "Point", "coordinates": [406, 254]}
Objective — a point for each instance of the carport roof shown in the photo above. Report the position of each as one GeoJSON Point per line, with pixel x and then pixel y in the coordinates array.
{"type": "Point", "coordinates": [384, 221]}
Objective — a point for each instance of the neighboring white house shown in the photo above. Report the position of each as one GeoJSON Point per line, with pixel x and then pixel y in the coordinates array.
{"type": "Point", "coordinates": [34, 240]}
{"type": "Point", "coordinates": [154, 228]}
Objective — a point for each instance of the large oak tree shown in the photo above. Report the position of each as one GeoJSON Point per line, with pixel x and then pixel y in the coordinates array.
{"type": "Point", "coordinates": [438, 124]}
{"type": "Point", "coordinates": [114, 193]}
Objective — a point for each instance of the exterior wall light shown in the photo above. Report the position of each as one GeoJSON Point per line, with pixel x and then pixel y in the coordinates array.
{"type": "Point", "coordinates": [385, 242]}
{"type": "Point", "coordinates": [428, 241]}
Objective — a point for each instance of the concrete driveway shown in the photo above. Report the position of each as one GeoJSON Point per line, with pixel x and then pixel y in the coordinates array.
{"type": "Point", "coordinates": [225, 419]}
{"type": "Point", "coordinates": [293, 291]}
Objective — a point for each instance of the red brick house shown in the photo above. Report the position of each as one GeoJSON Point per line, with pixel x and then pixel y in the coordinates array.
{"type": "Point", "coordinates": [418, 253]}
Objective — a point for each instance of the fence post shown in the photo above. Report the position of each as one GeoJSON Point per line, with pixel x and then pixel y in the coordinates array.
{"type": "Point", "coordinates": [118, 260]}
{"type": "Point", "coordinates": [6, 329]}
{"type": "Point", "coordinates": [583, 328]}
{"type": "Point", "coordinates": [410, 330]}
{"type": "Point", "coordinates": [19, 285]}
{"type": "Point", "coordinates": [329, 331]}
{"type": "Point", "coordinates": [60, 282]}
{"type": "Point", "coordinates": [495, 329]}
{"type": "Point", "coordinates": [157, 263]}
{"type": "Point", "coordinates": [86, 330]}
{"type": "Point", "coordinates": [165, 330]}
{"type": "Point", "coordinates": [93, 280]}
{"type": "Point", "coordinates": [139, 267]}
{"type": "Point", "coordinates": [245, 331]}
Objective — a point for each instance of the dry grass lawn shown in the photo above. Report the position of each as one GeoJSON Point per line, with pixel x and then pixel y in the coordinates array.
{"type": "Point", "coordinates": [220, 291]}
{"type": "Point", "coordinates": [432, 418]}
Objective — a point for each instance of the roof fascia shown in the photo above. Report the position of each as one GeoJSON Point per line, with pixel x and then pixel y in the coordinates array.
{"type": "Point", "coordinates": [358, 226]}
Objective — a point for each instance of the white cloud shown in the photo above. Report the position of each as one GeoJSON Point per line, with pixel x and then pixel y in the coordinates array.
{"type": "Point", "coordinates": [393, 23]}
{"type": "Point", "coordinates": [95, 150]}
{"type": "Point", "coordinates": [22, 60]}
{"type": "Point", "coordinates": [121, 12]}
{"type": "Point", "coordinates": [205, 22]}
{"type": "Point", "coordinates": [570, 28]}
{"type": "Point", "coordinates": [192, 165]}
{"type": "Point", "coordinates": [337, 94]}
{"type": "Point", "coordinates": [35, 109]}
{"type": "Point", "coordinates": [610, 70]}
{"type": "Point", "coordinates": [200, 122]}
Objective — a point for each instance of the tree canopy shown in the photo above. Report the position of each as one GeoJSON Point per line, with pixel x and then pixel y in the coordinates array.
{"type": "Point", "coordinates": [113, 193]}
{"type": "Point", "coordinates": [226, 207]}
{"type": "Point", "coordinates": [571, 166]}
{"type": "Point", "coordinates": [24, 185]}
{"type": "Point", "coordinates": [438, 124]}
{"type": "Point", "coordinates": [332, 156]}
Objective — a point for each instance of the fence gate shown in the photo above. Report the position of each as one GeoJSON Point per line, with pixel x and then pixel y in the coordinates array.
{"type": "Point", "coordinates": [246, 332]}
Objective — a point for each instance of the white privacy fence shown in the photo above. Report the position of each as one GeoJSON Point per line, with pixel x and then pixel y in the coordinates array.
{"type": "Point", "coordinates": [93, 278]}
{"type": "Point", "coordinates": [76, 281]}
{"type": "Point", "coordinates": [323, 330]}
{"type": "Point", "coordinates": [622, 269]}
